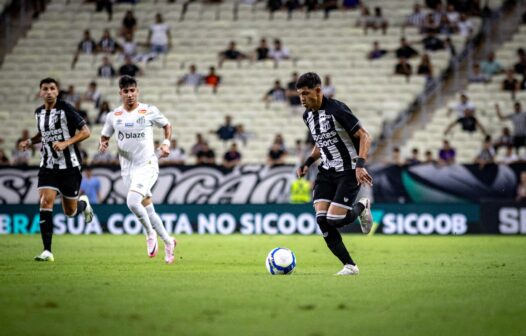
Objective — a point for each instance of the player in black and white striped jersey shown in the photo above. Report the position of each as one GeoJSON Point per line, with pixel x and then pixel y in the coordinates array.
{"type": "Point", "coordinates": [342, 144]}
{"type": "Point", "coordinates": [60, 128]}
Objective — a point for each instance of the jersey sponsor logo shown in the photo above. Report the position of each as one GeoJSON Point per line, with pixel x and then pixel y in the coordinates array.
{"type": "Point", "coordinates": [334, 163]}
{"type": "Point", "coordinates": [118, 113]}
{"type": "Point", "coordinates": [52, 135]}
{"type": "Point", "coordinates": [131, 135]}
{"type": "Point", "coordinates": [142, 111]}
{"type": "Point", "coordinates": [129, 124]}
{"type": "Point", "coordinates": [118, 122]}
{"type": "Point", "coordinates": [141, 121]}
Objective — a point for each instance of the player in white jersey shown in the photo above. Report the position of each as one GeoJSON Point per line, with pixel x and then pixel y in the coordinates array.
{"type": "Point", "coordinates": [133, 122]}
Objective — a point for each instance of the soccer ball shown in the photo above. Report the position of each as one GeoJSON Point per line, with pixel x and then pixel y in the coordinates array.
{"type": "Point", "coordinates": [281, 261]}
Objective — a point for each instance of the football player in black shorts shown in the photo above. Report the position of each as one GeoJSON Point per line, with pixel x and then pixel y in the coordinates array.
{"type": "Point", "coordinates": [342, 144]}
{"type": "Point", "coordinates": [60, 128]}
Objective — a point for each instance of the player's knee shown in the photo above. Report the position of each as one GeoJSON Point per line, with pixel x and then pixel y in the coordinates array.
{"type": "Point", "coordinates": [321, 219]}
{"type": "Point", "coordinates": [46, 202]}
{"type": "Point", "coordinates": [133, 201]}
{"type": "Point", "coordinates": [70, 212]}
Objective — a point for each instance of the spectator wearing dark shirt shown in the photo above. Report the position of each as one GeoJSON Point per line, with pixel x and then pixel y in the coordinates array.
{"type": "Point", "coordinates": [276, 155]}
{"type": "Point", "coordinates": [376, 52]}
{"type": "Point", "coordinates": [261, 53]}
{"type": "Point", "coordinates": [468, 122]}
{"type": "Point", "coordinates": [106, 70]}
{"type": "Point", "coordinates": [107, 5]}
{"type": "Point", "coordinates": [405, 50]}
{"type": "Point", "coordinates": [510, 83]}
{"type": "Point", "coordinates": [129, 24]}
{"type": "Point", "coordinates": [206, 156]}
{"type": "Point", "coordinates": [292, 93]}
{"type": "Point", "coordinates": [227, 131]}
{"type": "Point", "coordinates": [232, 157]}
{"type": "Point", "coordinates": [505, 139]}
{"type": "Point", "coordinates": [520, 66]}
{"type": "Point", "coordinates": [103, 112]}
{"type": "Point", "coordinates": [446, 154]}
{"type": "Point", "coordinates": [403, 68]}
{"type": "Point", "coordinates": [433, 43]}
{"type": "Point", "coordinates": [413, 159]}
{"type": "Point", "coordinates": [107, 44]}
{"type": "Point", "coordinates": [277, 94]}
{"type": "Point", "coordinates": [86, 46]}
{"type": "Point", "coordinates": [231, 54]}
{"type": "Point", "coordinates": [425, 67]}
{"type": "Point", "coordinates": [428, 157]}
{"type": "Point", "coordinates": [430, 25]}
{"type": "Point", "coordinates": [129, 68]}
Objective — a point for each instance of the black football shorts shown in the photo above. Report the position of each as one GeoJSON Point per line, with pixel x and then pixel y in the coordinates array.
{"type": "Point", "coordinates": [64, 181]}
{"type": "Point", "coordinates": [337, 188]}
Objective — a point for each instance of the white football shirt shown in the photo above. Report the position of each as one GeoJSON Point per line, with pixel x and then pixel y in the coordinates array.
{"type": "Point", "coordinates": [134, 133]}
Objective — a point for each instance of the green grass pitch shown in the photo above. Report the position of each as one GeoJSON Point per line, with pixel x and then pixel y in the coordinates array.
{"type": "Point", "coordinates": [106, 285]}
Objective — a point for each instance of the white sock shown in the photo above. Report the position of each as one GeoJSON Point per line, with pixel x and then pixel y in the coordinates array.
{"type": "Point", "coordinates": [134, 202]}
{"type": "Point", "coordinates": [157, 224]}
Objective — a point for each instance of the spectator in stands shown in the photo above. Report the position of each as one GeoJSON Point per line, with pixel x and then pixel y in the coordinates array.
{"type": "Point", "coordinates": [518, 119]}
{"type": "Point", "coordinates": [461, 107]}
{"type": "Point", "coordinates": [231, 54]}
{"type": "Point", "coordinates": [476, 75]}
{"type": "Point", "coordinates": [376, 52]}
{"type": "Point", "coordinates": [328, 6]}
{"type": "Point", "coordinates": [106, 69]}
{"type": "Point", "coordinates": [433, 43]}
{"type": "Point", "coordinates": [428, 158]}
{"type": "Point", "coordinates": [104, 110]}
{"type": "Point", "coordinates": [277, 93]}
{"type": "Point", "coordinates": [4, 160]}
{"type": "Point", "coordinates": [129, 24]}
{"type": "Point", "coordinates": [350, 4]}
{"type": "Point", "coordinates": [446, 154]}
{"type": "Point", "coordinates": [509, 156]}
{"type": "Point", "coordinates": [468, 122]}
{"type": "Point", "coordinates": [430, 25]}
{"type": "Point", "coordinates": [129, 46]}
{"type": "Point", "coordinates": [107, 5]}
{"type": "Point", "coordinates": [159, 37]}
{"type": "Point", "coordinates": [83, 113]}
{"type": "Point", "coordinates": [510, 83]}
{"type": "Point", "coordinates": [232, 157]}
{"type": "Point", "coordinates": [465, 26]}
{"type": "Point", "coordinates": [365, 19]}
{"type": "Point", "coordinates": [261, 53]}
{"type": "Point", "coordinates": [521, 189]}
{"type": "Point", "coordinates": [24, 136]}
{"type": "Point", "coordinates": [310, 5]}
{"type": "Point", "coordinates": [445, 27]}
{"type": "Point", "coordinates": [276, 155]}
{"type": "Point", "coordinates": [490, 66]}
{"type": "Point", "coordinates": [425, 67]}
{"type": "Point", "coordinates": [403, 68]}
{"type": "Point", "coordinates": [273, 6]}
{"type": "Point", "coordinates": [405, 50]}
{"type": "Point", "coordinates": [104, 159]}
{"type": "Point", "coordinates": [452, 15]}
{"type": "Point", "coordinates": [19, 157]}
{"type": "Point", "coordinates": [226, 131]}
{"type": "Point", "coordinates": [71, 96]}
{"type": "Point", "coordinates": [198, 145]}
{"type": "Point", "coordinates": [90, 186]}
{"type": "Point", "coordinates": [192, 78]}
{"type": "Point", "coordinates": [328, 89]}
{"type": "Point", "coordinates": [416, 18]}
{"type": "Point", "coordinates": [414, 158]}
{"type": "Point", "coordinates": [487, 153]}
{"type": "Point", "coordinates": [291, 5]}
{"type": "Point", "coordinates": [206, 156]}
{"type": "Point", "coordinates": [378, 21]}
{"type": "Point", "coordinates": [129, 68]}
{"type": "Point", "coordinates": [520, 66]}
{"type": "Point", "coordinates": [107, 44]}
{"type": "Point", "coordinates": [292, 94]}
{"type": "Point", "coordinates": [92, 94]}
{"type": "Point", "coordinates": [86, 46]}
{"type": "Point", "coordinates": [242, 135]}
{"type": "Point", "coordinates": [212, 79]}
{"type": "Point", "coordinates": [278, 139]}
{"type": "Point", "coordinates": [396, 157]}
{"type": "Point", "coordinates": [504, 140]}
{"type": "Point", "coordinates": [279, 52]}
{"type": "Point", "coordinates": [176, 156]}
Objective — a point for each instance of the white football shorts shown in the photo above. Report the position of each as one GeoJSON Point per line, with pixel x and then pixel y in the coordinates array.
{"type": "Point", "coordinates": [141, 180]}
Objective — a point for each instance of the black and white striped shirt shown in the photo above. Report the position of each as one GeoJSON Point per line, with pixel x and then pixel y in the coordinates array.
{"type": "Point", "coordinates": [519, 123]}
{"type": "Point", "coordinates": [56, 125]}
{"type": "Point", "coordinates": [332, 128]}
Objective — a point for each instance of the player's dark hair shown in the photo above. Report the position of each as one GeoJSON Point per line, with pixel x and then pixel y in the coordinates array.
{"type": "Point", "coordinates": [309, 80]}
{"type": "Point", "coordinates": [48, 80]}
{"type": "Point", "coordinates": [127, 81]}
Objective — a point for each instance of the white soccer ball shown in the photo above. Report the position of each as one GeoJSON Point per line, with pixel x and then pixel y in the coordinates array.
{"type": "Point", "coordinates": [281, 261]}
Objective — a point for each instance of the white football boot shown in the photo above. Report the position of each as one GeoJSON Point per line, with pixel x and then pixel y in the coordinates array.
{"type": "Point", "coordinates": [45, 256]}
{"type": "Point", "coordinates": [88, 212]}
{"type": "Point", "coordinates": [349, 270]}
{"type": "Point", "coordinates": [366, 218]}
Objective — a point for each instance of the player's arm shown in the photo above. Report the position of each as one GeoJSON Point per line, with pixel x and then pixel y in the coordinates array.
{"type": "Point", "coordinates": [104, 143]}
{"type": "Point", "coordinates": [107, 132]}
{"type": "Point", "coordinates": [314, 156]}
{"type": "Point", "coordinates": [450, 127]}
{"type": "Point", "coordinates": [499, 112]}
{"type": "Point", "coordinates": [479, 125]}
{"type": "Point", "coordinates": [26, 144]}
{"type": "Point", "coordinates": [165, 145]}
{"type": "Point", "coordinates": [79, 136]}
{"type": "Point", "coordinates": [362, 176]}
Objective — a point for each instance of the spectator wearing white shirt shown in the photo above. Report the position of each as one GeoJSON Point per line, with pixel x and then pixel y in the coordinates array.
{"type": "Point", "coordinates": [159, 38]}
{"type": "Point", "coordinates": [192, 78]}
{"type": "Point", "coordinates": [452, 15]}
{"type": "Point", "coordinates": [461, 107]}
{"type": "Point", "coordinates": [328, 89]}
{"type": "Point", "coordinates": [509, 156]}
{"type": "Point", "coordinates": [279, 52]}
{"type": "Point", "coordinates": [465, 26]}
{"type": "Point", "coordinates": [93, 94]}
{"type": "Point", "coordinates": [177, 155]}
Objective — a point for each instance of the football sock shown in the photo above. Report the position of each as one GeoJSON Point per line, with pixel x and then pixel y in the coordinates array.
{"type": "Point", "coordinates": [349, 218]}
{"type": "Point", "coordinates": [81, 206]}
{"type": "Point", "coordinates": [157, 224]}
{"type": "Point", "coordinates": [134, 202]}
{"type": "Point", "coordinates": [333, 239]}
{"type": "Point", "coordinates": [46, 227]}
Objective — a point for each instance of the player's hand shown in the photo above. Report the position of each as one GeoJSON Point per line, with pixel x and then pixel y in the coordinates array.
{"type": "Point", "coordinates": [103, 146]}
{"type": "Point", "coordinates": [60, 146]}
{"type": "Point", "coordinates": [302, 171]}
{"type": "Point", "coordinates": [24, 145]}
{"type": "Point", "coordinates": [363, 177]}
{"type": "Point", "coordinates": [164, 151]}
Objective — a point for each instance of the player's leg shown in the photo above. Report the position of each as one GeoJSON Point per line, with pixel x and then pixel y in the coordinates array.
{"type": "Point", "coordinates": [72, 204]}
{"type": "Point", "coordinates": [46, 199]}
{"type": "Point", "coordinates": [158, 226]}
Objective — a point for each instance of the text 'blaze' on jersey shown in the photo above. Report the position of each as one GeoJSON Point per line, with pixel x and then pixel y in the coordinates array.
{"type": "Point", "coordinates": [134, 133]}
{"type": "Point", "coordinates": [57, 125]}
{"type": "Point", "coordinates": [332, 128]}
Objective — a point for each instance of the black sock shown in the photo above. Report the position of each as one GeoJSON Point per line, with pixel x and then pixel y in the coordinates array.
{"type": "Point", "coordinates": [46, 228]}
{"type": "Point", "coordinates": [358, 208]}
{"type": "Point", "coordinates": [334, 241]}
{"type": "Point", "coordinates": [81, 206]}
{"type": "Point", "coordinates": [340, 251]}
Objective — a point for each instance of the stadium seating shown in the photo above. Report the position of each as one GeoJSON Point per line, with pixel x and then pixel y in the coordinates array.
{"type": "Point", "coordinates": [484, 96]}
{"type": "Point", "coordinates": [334, 46]}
